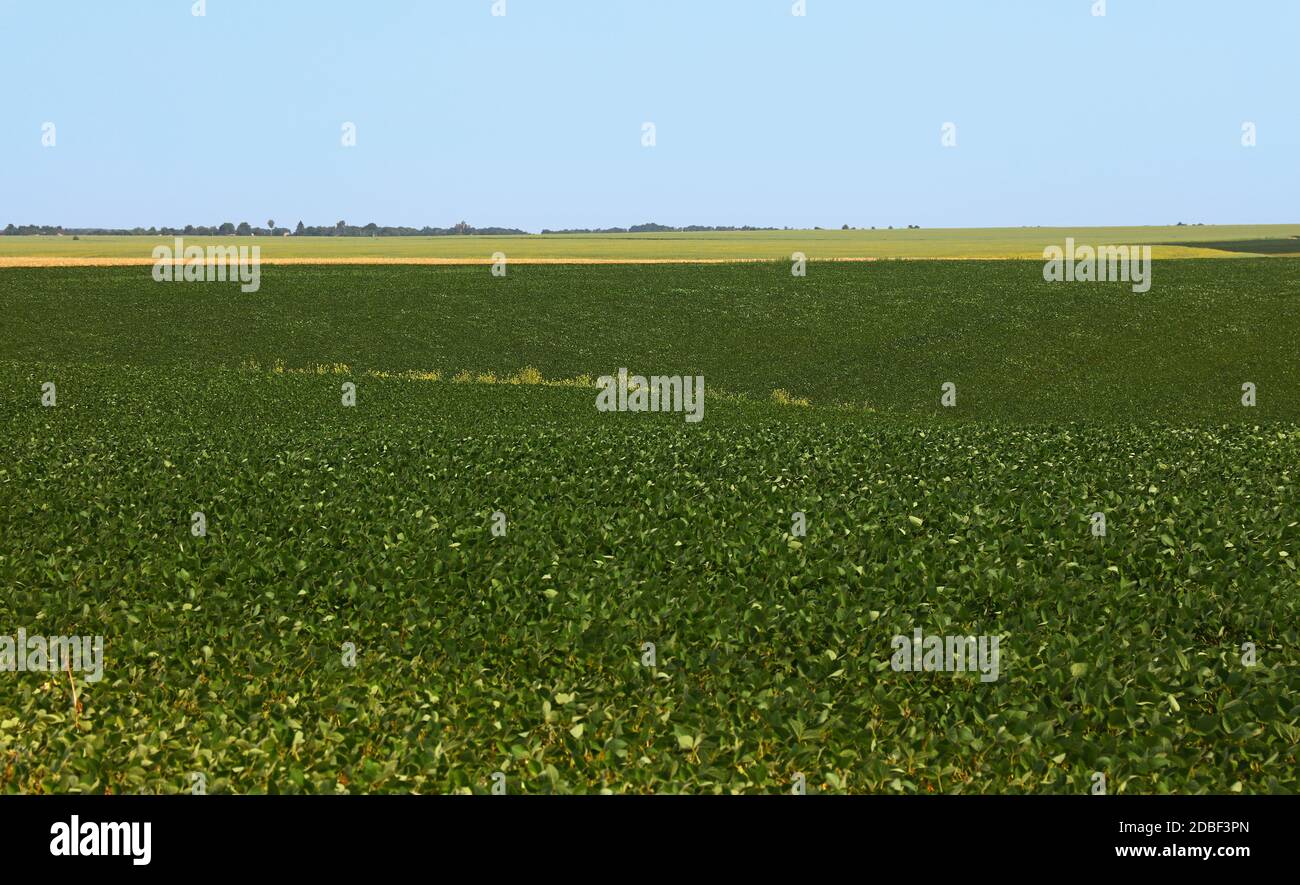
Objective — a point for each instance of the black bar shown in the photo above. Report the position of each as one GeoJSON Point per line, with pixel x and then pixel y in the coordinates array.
{"type": "Point", "coordinates": [333, 834]}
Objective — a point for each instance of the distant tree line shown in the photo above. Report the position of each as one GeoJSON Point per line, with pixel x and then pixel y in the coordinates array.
{"type": "Point", "coordinates": [244, 229]}
{"type": "Point", "coordinates": [652, 228]}
{"type": "Point", "coordinates": [343, 229]}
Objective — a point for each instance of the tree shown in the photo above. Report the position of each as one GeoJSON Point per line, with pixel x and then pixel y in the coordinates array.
{"type": "Point", "coordinates": [270, 225]}
{"type": "Point", "coordinates": [243, 230]}
{"type": "Point", "coordinates": [226, 228]}
{"type": "Point", "coordinates": [298, 230]}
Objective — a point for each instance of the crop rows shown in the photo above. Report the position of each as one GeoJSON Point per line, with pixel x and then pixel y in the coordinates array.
{"type": "Point", "coordinates": [524, 653]}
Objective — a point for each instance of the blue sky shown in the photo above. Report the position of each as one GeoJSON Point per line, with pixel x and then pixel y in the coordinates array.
{"type": "Point", "coordinates": [534, 119]}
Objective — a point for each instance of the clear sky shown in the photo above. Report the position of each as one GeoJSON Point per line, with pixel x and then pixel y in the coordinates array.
{"type": "Point", "coordinates": [535, 119]}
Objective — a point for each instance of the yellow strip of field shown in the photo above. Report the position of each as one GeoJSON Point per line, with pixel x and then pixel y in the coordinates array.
{"type": "Point", "coordinates": [1218, 241]}
{"type": "Point", "coordinates": [55, 261]}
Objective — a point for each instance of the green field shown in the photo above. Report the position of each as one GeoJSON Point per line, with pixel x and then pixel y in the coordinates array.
{"type": "Point", "coordinates": [523, 653]}
{"type": "Point", "coordinates": [1026, 242]}
{"type": "Point", "coordinates": [882, 337]}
